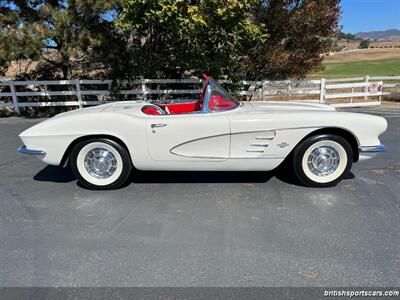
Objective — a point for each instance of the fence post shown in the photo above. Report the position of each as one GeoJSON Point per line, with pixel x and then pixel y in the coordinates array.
{"type": "Point", "coordinates": [352, 92]}
{"type": "Point", "coordinates": [14, 97]}
{"type": "Point", "coordinates": [322, 91]}
{"type": "Point", "coordinates": [265, 89]}
{"type": "Point", "coordinates": [366, 87]}
{"type": "Point", "coordinates": [262, 90]}
{"type": "Point", "coordinates": [78, 92]}
{"type": "Point", "coordinates": [144, 91]}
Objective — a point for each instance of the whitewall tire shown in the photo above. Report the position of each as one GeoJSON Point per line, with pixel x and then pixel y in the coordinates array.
{"type": "Point", "coordinates": [101, 164]}
{"type": "Point", "coordinates": [322, 160]}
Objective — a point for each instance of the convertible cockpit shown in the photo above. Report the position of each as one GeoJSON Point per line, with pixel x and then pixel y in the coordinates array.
{"type": "Point", "coordinates": [171, 108]}
{"type": "Point", "coordinates": [213, 98]}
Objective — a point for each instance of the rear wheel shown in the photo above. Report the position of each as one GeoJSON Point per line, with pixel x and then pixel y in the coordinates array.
{"type": "Point", "coordinates": [322, 160]}
{"type": "Point", "coordinates": [100, 164]}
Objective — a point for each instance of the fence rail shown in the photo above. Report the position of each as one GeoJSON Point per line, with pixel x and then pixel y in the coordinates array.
{"type": "Point", "coordinates": [339, 92]}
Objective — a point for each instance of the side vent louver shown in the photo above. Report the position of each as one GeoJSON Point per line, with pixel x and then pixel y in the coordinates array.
{"type": "Point", "coordinates": [261, 143]}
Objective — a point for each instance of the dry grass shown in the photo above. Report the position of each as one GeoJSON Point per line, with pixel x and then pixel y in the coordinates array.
{"type": "Point", "coordinates": [364, 55]}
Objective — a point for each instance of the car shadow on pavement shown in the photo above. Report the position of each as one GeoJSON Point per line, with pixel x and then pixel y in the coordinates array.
{"type": "Point", "coordinates": [286, 175]}
{"type": "Point", "coordinates": [199, 177]}
{"type": "Point", "coordinates": [55, 174]}
{"type": "Point", "coordinates": [65, 175]}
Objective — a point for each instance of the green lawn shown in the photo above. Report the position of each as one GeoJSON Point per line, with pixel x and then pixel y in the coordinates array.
{"type": "Point", "coordinates": [360, 68]}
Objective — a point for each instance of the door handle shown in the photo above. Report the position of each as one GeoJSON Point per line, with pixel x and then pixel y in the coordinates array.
{"type": "Point", "coordinates": [157, 125]}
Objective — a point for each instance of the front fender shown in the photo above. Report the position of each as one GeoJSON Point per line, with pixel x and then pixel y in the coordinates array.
{"type": "Point", "coordinates": [55, 135]}
{"type": "Point", "coordinates": [365, 128]}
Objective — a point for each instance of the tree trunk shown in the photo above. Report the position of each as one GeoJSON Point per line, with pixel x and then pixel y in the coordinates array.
{"type": "Point", "coordinates": [65, 72]}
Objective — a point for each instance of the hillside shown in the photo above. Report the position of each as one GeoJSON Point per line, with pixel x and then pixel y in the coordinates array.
{"type": "Point", "coordinates": [390, 34]}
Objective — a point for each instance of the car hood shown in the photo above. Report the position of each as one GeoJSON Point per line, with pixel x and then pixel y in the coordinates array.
{"type": "Point", "coordinates": [259, 106]}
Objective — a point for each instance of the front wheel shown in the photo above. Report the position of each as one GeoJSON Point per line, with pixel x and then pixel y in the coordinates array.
{"type": "Point", "coordinates": [322, 160]}
{"type": "Point", "coordinates": [100, 164]}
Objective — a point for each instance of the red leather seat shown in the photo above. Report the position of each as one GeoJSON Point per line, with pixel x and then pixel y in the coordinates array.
{"type": "Point", "coordinates": [151, 110]}
{"type": "Point", "coordinates": [181, 108]}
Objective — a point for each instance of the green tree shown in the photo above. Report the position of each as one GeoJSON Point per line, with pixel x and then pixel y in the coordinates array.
{"type": "Point", "coordinates": [124, 39]}
{"type": "Point", "coordinates": [348, 36]}
{"type": "Point", "coordinates": [62, 36]}
{"type": "Point", "coordinates": [177, 37]}
{"type": "Point", "coordinates": [252, 39]}
{"type": "Point", "coordinates": [364, 44]}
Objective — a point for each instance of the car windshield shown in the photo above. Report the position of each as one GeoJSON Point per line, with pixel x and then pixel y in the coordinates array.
{"type": "Point", "coordinates": [216, 98]}
{"type": "Point", "coordinates": [213, 98]}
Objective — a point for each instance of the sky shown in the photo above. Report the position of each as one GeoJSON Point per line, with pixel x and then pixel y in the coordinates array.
{"type": "Point", "coordinates": [370, 15]}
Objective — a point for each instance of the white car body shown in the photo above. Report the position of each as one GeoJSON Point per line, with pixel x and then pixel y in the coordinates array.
{"type": "Point", "coordinates": [255, 136]}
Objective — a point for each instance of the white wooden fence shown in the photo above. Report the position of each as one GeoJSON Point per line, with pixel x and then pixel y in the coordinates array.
{"type": "Point", "coordinates": [344, 92]}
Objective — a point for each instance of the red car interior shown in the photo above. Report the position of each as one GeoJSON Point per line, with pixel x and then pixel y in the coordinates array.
{"type": "Point", "coordinates": [217, 103]}
{"type": "Point", "coordinates": [151, 110]}
{"type": "Point", "coordinates": [181, 108]}
{"type": "Point", "coordinates": [220, 101]}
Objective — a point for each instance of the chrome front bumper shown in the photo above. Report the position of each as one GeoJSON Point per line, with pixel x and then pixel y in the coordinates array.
{"type": "Point", "coordinates": [370, 151]}
{"type": "Point", "coordinates": [373, 149]}
{"type": "Point", "coordinates": [25, 150]}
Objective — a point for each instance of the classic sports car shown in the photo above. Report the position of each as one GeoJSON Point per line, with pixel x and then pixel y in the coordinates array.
{"type": "Point", "coordinates": [216, 133]}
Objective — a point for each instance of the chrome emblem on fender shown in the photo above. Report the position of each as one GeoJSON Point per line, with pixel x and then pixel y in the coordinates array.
{"type": "Point", "coordinates": [283, 145]}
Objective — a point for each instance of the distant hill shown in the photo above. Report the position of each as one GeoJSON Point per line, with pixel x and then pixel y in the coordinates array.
{"type": "Point", "coordinates": [390, 34]}
{"type": "Point", "coordinates": [348, 36]}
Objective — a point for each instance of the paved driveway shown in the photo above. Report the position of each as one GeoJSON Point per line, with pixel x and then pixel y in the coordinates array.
{"type": "Point", "coordinates": [198, 229]}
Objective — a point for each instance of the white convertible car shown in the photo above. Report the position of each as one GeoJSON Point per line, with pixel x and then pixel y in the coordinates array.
{"type": "Point", "coordinates": [216, 133]}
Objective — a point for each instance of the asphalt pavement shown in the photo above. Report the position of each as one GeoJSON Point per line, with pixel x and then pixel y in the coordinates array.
{"type": "Point", "coordinates": [199, 229]}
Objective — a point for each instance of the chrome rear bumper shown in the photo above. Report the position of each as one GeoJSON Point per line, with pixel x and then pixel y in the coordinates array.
{"type": "Point", "coordinates": [373, 149]}
{"type": "Point", "coordinates": [25, 150]}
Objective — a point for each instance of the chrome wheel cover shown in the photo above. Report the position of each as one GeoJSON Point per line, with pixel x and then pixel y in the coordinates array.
{"type": "Point", "coordinates": [100, 163]}
{"type": "Point", "coordinates": [323, 161]}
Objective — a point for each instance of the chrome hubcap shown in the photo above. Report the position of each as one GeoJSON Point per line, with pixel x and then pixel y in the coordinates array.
{"type": "Point", "coordinates": [323, 161]}
{"type": "Point", "coordinates": [100, 163]}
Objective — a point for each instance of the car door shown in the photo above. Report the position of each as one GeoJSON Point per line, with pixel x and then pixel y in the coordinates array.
{"type": "Point", "coordinates": [188, 137]}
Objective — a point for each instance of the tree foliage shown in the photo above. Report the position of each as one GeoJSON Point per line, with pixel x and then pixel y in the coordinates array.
{"type": "Point", "coordinates": [176, 36]}
{"type": "Point", "coordinates": [249, 39]}
{"type": "Point", "coordinates": [348, 36]}
{"type": "Point", "coordinates": [299, 32]}
{"type": "Point", "coordinates": [60, 35]}
{"type": "Point", "coordinates": [121, 39]}
{"type": "Point", "coordinates": [364, 44]}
